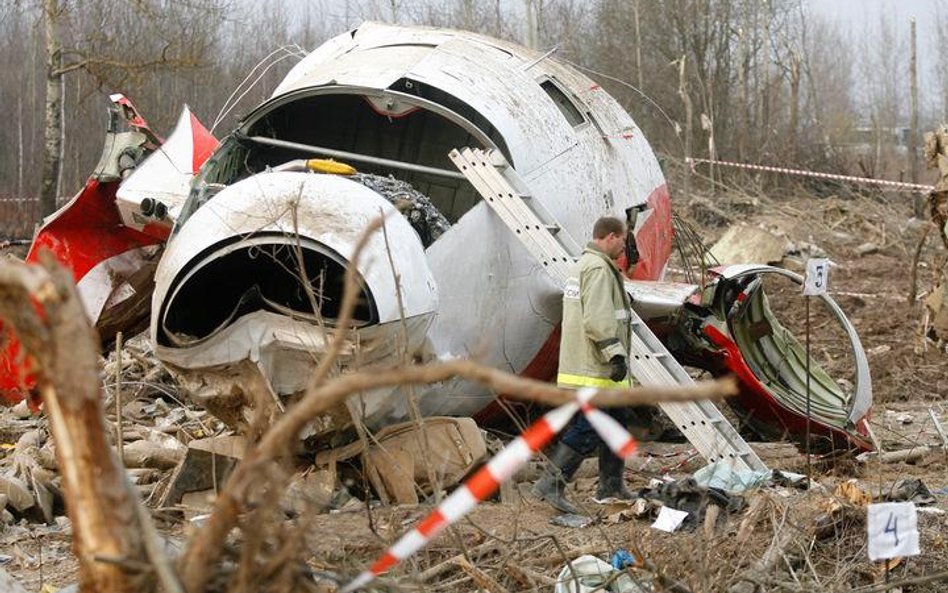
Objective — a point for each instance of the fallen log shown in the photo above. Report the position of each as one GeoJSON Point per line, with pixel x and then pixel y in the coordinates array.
{"type": "Point", "coordinates": [902, 455]}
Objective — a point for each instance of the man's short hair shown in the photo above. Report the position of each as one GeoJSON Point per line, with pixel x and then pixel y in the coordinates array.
{"type": "Point", "coordinates": [606, 225]}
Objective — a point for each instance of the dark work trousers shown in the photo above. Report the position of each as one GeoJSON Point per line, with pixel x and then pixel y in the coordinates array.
{"type": "Point", "coordinates": [580, 435]}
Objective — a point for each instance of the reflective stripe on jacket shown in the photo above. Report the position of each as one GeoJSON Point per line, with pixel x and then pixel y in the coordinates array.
{"type": "Point", "coordinates": [596, 314]}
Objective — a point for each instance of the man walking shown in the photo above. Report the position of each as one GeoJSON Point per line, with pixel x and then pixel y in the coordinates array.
{"type": "Point", "coordinates": [594, 349]}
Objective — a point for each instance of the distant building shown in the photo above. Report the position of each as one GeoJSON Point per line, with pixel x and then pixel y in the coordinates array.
{"type": "Point", "coordinates": [863, 140]}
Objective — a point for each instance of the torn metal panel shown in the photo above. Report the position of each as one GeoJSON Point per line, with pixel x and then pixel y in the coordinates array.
{"type": "Point", "coordinates": [264, 361]}
{"type": "Point", "coordinates": [746, 244]}
{"type": "Point", "coordinates": [728, 327]}
{"type": "Point", "coordinates": [206, 464]}
{"type": "Point", "coordinates": [862, 399]}
{"type": "Point", "coordinates": [843, 414]}
{"type": "Point", "coordinates": [654, 301]}
{"type": "Point", "coordinates": [112, 263]}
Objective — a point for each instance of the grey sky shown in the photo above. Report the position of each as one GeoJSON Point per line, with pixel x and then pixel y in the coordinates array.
{"type": "Point", "coordinates": [861, 20]}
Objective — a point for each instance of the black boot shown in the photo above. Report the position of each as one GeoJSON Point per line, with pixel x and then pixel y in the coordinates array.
{"type": "Point", "coordinates": [551, 487]}
{"type": "Point", "coordinates": [611, 480]}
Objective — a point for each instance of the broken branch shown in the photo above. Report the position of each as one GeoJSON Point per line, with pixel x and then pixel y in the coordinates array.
{"type": "Point", "coordinates": [205, 549]}
{"type": "Point", "coordinates": [349, 296]}
{"type": "Point", "coordinates": [42, 306]}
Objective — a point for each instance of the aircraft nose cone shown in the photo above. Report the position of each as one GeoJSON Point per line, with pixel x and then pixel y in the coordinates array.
{"type": "Point", "coordinates": [281, 242]}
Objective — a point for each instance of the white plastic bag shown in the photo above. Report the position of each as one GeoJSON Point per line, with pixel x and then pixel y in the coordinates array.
{"type": "Point", "coordinates": [590, 574]}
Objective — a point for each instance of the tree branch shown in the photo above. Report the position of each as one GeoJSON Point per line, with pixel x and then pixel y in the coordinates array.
{"type": "Point", "coordinates": [205, 549]}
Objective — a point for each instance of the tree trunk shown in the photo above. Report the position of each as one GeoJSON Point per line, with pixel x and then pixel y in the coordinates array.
{"type": "Point", "coordinates": [52, 132]}
{"type": "Point", "coordinates": [532, 24]}
{"type": "Point", "coordinates": [689, 113]}
{"type": "Point", "coordinates": [743, 74]}
{"type": "Point", "coordinates": [921, 200]}
{"type": "Point", "coordinates": [19, 150]}
{"type": "Point", "coordinates": [794, 105]}
{"type": "Point", "coordinates": [765, 98]}
{"type": "Point", "coordinates": [638, 46]}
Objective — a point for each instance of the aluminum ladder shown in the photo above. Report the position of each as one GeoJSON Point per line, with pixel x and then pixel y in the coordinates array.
{"type": "Point", "coordinates": [649, 362]}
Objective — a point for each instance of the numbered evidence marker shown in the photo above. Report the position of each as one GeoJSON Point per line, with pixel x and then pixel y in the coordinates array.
{"type": "Point", "coordinates": [893, 530]}
{"type": "Point", "coordinates": [817, 276]}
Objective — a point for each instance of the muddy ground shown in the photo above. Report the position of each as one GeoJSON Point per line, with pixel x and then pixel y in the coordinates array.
{"type": "Point", "coordinates": [510, 546]}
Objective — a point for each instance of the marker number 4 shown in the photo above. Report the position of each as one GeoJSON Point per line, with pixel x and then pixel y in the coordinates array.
{"type": "Point", "coordinates": [892, 526]}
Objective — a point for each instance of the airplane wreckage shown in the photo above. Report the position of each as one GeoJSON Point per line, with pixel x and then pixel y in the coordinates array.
{"type": "Point", "coordinates": [490, 162]}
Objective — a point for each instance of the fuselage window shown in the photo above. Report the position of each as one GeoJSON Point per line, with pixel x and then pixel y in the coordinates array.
{"type": "Point", "coordinates": [573, 115]}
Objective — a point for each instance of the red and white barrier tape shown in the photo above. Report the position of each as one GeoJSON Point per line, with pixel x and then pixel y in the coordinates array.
{"type": "Point", "coordinates": [613, 434]}
{"type": "Point", "coordinates": [884, 182]}
{"type": "Point", "coordinates": [498, 470]}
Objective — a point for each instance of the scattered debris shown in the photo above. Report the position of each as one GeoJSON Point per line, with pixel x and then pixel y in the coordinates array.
{"type": "Point", "coordinates": [867, 249]}
{"type": "Point", "coordinates": [588, 573]}
{"type": "Point", "coordinates": [722, 476]}
{"type": "Point", "coordinates": [688, 496]}
{"type": "Point", "coordinates": [403, 458]}
{"type": "Point", "coordinates": [157, 450]}
{"type": "Point", "coordinates": [669, 519]}
{"type": "Point", "coordinates": [910, 490]}
{"type": "Point", "coordinates": [903, 455]}
{"type": "Point", "coordinates": [204, 466]}
{"type": "Point", "coordinates": [572, 521]}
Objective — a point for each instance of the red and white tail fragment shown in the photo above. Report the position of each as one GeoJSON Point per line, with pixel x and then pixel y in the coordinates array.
{"type": "Point", "coordinates": [102, 235]}
{"type": "Point", "coordinates": [150, 199]}
{"type": "Point", "coordinates": [498, 470]}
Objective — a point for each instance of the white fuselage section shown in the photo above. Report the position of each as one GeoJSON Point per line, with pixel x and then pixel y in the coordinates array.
{"type": "Point", "coordinates": [579, 152]}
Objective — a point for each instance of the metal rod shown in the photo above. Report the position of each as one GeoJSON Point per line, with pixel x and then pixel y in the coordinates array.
{"type": "Point", "coordinates": [353, 156]}
{"type": "Point", "coordinates": [809, 476]}
{"type": "Point", "coordinates": [119, 437]}
{"type": "Point", "coordinates": [939, 428]}
{"type": "Point", "coordinates": [549, 53]}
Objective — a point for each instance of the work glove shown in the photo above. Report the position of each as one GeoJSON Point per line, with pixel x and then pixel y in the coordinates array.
{"type": "Point", "coordinates": [620, 368]}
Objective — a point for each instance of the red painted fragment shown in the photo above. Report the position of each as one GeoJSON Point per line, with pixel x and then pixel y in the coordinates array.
{"type": "Point", "coordinates": [764, 407]}
{"type": "Point", "coordinates": [654, 239]}
{"type": "Point", "coordinates": [203, 144]}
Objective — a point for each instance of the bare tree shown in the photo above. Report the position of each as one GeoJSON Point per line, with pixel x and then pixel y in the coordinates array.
{"type": "Point", "coordinates": [108, 44]}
